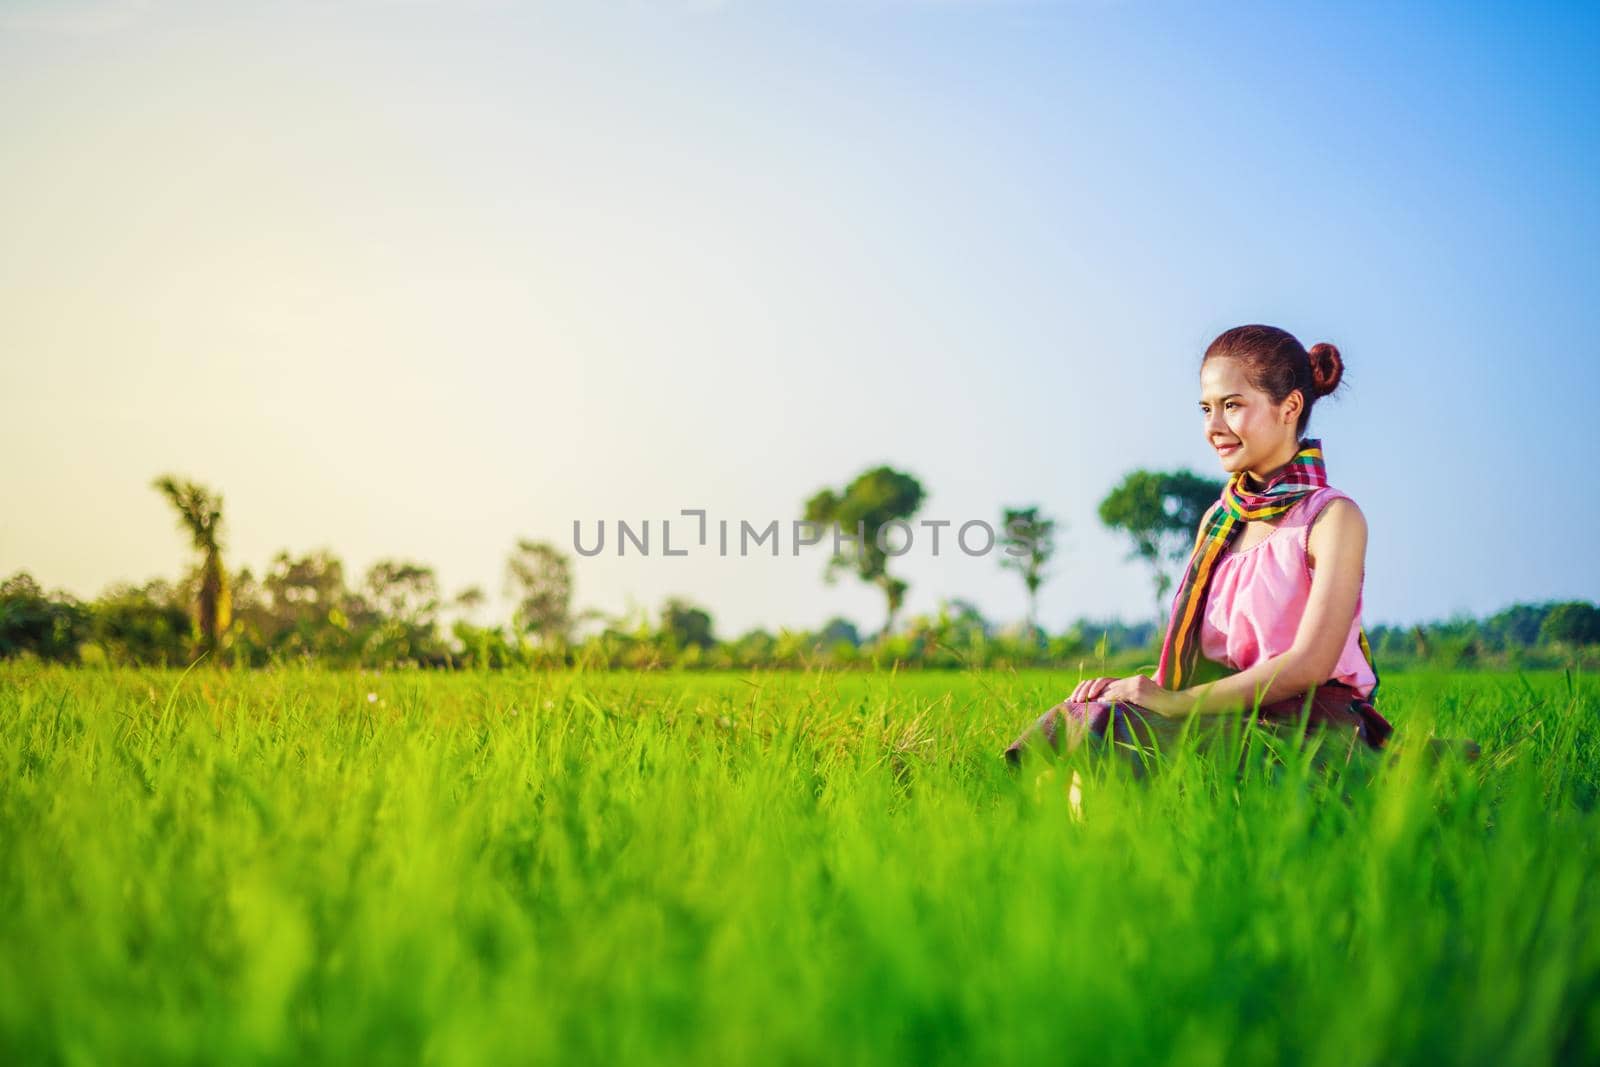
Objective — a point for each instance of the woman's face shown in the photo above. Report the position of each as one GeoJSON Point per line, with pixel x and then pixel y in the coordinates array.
{"type": "Point", "coordinates": [1248, 431]}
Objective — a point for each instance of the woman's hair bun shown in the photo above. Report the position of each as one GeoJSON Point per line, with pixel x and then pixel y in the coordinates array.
{"type": "Point", "coordinates": [1326, 368]}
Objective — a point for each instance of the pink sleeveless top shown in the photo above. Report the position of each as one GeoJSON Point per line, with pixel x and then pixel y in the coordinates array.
{"type": "Point", "coordinates": [1258, 596]}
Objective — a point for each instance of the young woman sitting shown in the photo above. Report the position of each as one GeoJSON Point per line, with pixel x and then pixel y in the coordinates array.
{"type": "Point", "coordinates": [1267, 618]}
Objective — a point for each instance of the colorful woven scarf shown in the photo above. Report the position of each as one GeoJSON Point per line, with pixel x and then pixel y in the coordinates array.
{"type": "Point", "coordinates": [1303, 475]}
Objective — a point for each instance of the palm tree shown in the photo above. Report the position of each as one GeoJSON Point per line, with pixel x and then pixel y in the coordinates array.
{"type": "Point", "coordinates": [200, 514]}
{"type": "Point", "coordinates": [1030, 540]}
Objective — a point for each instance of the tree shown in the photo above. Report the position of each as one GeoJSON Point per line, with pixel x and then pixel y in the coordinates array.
{"type": "Point", "coordinates": [1516, 626]}
{"type": "Point", "coordinates": [252, 620]}
{"type": "Point", "coordinates": [50, 627]}
{"type": "Point", "coordinates": [1029, 542]}
{"type": "Point", "coordinates": [1573, 623]}
{"type": "Point", "coordinates": [404, 591]}
{"type": "Point", "coordinates": [753, 649]}
{"type": "Point", "coordinates": [956, 630]}
{"type": "Point", "coordinates": [1160, 512]}
{"type": "Point", "coordinates": [470, 599]}
{"type": "Point", "coordinates": [402, 598]}
{"type": "Point", "coordinates": [141, 624]}
{"type": "Point", "coordinates": [200, 515]}
{"type": "Point", "coordinates": [836, 630]}
{"type": "Point", "coordinates": [684, 624]}
{"type": "Point", "coordinates": [867, 505]}
{"type": "Point", "coordinates": [539, 579]}
{"type": "Point", "coordinates": [307, 588]}
{"type": "Point", "coordinates": [306, 607]}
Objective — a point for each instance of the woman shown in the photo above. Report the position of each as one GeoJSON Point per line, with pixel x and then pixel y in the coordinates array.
{"type": "Point", "coordinates": [1272, 590]}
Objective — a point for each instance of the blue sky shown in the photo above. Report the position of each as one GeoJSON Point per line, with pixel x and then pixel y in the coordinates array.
{"type": "Point", "coordinates": [417, 279]}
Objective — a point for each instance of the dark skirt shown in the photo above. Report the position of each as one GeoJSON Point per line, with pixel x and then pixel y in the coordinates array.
{"type": "Point", "coordinates": [1129, 728]}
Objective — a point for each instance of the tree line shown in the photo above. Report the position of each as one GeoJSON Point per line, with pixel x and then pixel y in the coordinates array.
{"type": "Point", "coordinates": [305, 607]}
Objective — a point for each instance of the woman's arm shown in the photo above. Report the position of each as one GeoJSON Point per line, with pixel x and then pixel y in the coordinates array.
{"type": "Point", "coordinates": [1142, 689]}
{"type": "Point", "coordinates": [1337, 549]}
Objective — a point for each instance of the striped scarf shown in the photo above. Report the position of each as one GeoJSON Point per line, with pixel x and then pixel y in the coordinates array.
{"type": "Point", "coordinates": [1303, 475]}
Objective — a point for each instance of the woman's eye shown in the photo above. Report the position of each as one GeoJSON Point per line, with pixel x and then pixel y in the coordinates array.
{"type": "Point", "coordinates": [1229, 406]}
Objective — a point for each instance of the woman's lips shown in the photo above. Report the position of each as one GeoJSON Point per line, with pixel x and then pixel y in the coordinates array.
{"type": "Point", "coordinates": [1226, 450]}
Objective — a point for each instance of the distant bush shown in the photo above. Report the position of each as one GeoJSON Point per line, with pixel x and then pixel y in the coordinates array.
{"type": "Point", "coordinates": [48, 627]}
{"type": "Point", "coordinates": [1575, 623]}
{"type": "Point", "coordinates": [303, 612]}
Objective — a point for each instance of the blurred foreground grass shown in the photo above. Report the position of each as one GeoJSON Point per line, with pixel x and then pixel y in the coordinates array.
{"type": "Point", "coordinates": [799, 868]}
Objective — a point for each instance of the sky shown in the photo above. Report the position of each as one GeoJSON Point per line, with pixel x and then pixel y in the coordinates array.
{"type": "Point", "coordinates": [419, 279]}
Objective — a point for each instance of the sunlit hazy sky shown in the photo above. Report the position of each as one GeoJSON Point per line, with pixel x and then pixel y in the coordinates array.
{"type": "Point", "coordinates": [418, 279]}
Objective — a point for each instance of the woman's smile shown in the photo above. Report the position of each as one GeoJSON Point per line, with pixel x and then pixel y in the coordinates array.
{"type": "Point", "coordinates": [1240, 421]}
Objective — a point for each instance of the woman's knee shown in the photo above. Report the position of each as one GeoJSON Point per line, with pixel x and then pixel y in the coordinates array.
{"type": "Point", "coordinates": [1059, 730]}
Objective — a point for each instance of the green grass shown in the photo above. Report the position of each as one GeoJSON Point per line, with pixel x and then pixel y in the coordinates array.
{"type": "Point", "coordinates": [790, 868]}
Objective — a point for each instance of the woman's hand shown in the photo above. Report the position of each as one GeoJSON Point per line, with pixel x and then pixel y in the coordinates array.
{"type": "Point", "coordinates": [1145, 691]}
{"type": "Point", "coordinates": [1090, 689]}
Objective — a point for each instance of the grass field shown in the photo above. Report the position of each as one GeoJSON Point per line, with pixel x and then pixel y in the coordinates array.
{"type": "Point", "coordinates": [793, 868]}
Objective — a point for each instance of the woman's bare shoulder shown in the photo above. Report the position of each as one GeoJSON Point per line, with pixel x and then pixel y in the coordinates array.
{"type": "Point", "coordinates": [1340, 524]}
{"type": "Point", "coordinates": [1340, 512]}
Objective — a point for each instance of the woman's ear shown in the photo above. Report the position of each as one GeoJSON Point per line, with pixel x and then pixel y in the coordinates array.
{"type": "Point", "coordinates": [1291, 406]}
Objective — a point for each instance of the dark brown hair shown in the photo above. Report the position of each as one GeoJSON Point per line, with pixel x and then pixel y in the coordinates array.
{"type": "Point", "coordinates": [1277, 364]}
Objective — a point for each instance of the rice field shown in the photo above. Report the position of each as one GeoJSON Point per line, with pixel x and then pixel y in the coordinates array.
{"type": "Point", "coordinates": [317, 867]}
